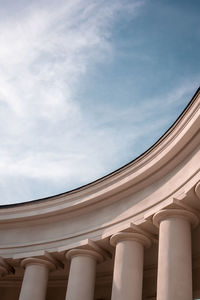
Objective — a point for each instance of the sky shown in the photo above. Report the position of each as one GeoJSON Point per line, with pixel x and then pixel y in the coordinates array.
{"type": "Point", "coordinates": [86, 86]}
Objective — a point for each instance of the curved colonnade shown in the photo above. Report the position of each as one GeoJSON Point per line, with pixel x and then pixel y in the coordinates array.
{"type": "Point", "coordinates": [133, 234]}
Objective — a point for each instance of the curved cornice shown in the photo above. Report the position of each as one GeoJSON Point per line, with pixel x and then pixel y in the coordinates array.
{"type": "Point", "coordinates": [175, 145]}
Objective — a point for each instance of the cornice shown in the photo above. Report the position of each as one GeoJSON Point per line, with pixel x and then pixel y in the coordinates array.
{"type": "Point", "coordinates": [180, 138]}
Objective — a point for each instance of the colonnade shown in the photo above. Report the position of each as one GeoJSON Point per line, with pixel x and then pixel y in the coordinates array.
{"type": "Point", "coordinates": [174, 264]}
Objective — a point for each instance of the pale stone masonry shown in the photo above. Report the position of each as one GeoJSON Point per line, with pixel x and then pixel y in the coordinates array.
{"type": "Point", "coordinates": [132, 235]}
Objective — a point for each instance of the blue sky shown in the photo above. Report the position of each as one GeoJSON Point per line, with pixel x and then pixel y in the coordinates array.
{"type": "Point", "coordinates": [88, 85]}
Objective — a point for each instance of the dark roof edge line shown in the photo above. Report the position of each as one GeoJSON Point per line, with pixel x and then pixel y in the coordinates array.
{"type": "Point", "coordinates": [109, 174]}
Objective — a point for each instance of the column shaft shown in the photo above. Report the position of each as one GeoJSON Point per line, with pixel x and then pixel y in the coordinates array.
{"type": "Point", "coordinates": [128, 267]}
{"type": "Point", "coordinates": [35, 279]}
{"type": "Point", "coordinates": [81, 278]}
{"type": "Point", "coordinates": [128, 271]}
{"type": "Point", "coordinates": [34, 283]}
{"type": "Point", "coordinates": [175, 260]}
{"type": "Point", "coordinates": [81, 282]}
{"type": "Point", "coordinates": [175, 253]}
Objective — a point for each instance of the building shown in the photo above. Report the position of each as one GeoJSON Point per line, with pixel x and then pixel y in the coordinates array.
{"type": "Point", "coordinates": [116, 236]}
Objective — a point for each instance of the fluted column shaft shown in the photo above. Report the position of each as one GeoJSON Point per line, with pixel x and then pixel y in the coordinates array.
{"type": "Point", "coordinates": [35, 279]}
{"type": "Point", "coordinates": [174, 257]}
{"type": "Point", "coordinates": [81, 282]}
{"type": "Point", "coordinates": [128, 266]}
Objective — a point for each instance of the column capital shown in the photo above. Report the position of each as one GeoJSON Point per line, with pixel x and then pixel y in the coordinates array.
{"type": "Point", "coordinates": [37, 261]}
{"type": "Point", "coordinates": [130, 236]}
{"type": "Point", "coordinates": [83, 252]}
{"type": "Point", "coordinates": [175, 213]}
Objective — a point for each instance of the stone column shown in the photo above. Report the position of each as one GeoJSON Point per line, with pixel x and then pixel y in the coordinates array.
{"type": "Point", "coordinates": [81, 282]}
{"type": "Point", "coordinates": [128, 266]}
{"type": "Point", "coordinates": [35, 279]}
{"type": "Point", "coordinates": [174, 257]}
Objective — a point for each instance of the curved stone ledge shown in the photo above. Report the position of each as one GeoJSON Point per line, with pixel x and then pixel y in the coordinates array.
{"type": "Point", "coordinates": [101, 222]}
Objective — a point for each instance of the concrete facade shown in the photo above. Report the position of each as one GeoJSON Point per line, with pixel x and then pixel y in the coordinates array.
{"type": "Point", "coordinates": [132, 235]}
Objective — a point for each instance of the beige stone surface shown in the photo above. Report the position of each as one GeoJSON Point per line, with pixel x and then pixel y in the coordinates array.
{"type": "Point", "coordinates": [81, 283]}
{"type": "Point", "coordinates": [34, 285]}
{"type": "Point", "coordinates": [175, 255]}
{"type": "Point", "coordinates": [128, 267]}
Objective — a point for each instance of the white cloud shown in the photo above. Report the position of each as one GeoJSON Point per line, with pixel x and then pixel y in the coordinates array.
{"type": "Point", "coordinates": [45, 50]}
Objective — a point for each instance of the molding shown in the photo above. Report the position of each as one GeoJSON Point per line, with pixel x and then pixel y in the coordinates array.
{"type": "Point", "coordinates": [53, 260]}
{"type": "Point", "coordinates": [83, 252]}
{"type": "Point", "coordinates": [175, 213]}
{"type": "Point", "coordinates": [130, 236]}
{"type": "Point", "coordinates": [37, 261]}
{"type": "Point", "coordinates": [104, 253]}
{"type": "Point", "coordinates": [136, 229]}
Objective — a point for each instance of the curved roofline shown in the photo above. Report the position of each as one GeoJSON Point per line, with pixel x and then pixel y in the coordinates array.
{"type": "Point", "coordinates": [112, 173]}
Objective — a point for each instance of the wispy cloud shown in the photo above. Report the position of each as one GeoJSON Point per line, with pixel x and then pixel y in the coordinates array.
{"type": "Point", "coordinates": [45, 50]}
